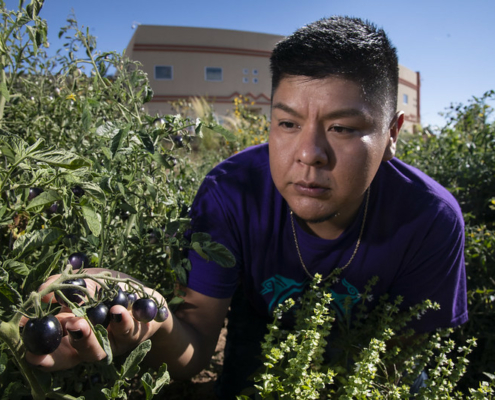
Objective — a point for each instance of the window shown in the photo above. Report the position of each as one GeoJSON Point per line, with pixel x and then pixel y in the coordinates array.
{"type": "Point", "coordinates": [213, 74]}
{"type": "Point", "coordinates": [164, 72]}
{"type": "Point", "coordinates": [255, 80]}
{"type": "Point", "coordinates": [405, 99]}
{"type": "Point", "coordinates": [255, 72]}
{"type": "Point", "coordinates": [245, 71]}
{"type": "Point", "coordinates": [245, 80]}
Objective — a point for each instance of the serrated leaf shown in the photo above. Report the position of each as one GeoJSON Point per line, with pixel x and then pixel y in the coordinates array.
{"type": "Point", "coordinates": [108, 129]}
{"type": "Point", "coordinates": [147, 142]}
{"type": "Point", "coordinates": [35, 146]}
{"type": "Point", "coordinates": [102, 336]}
{"type": "Point", "coordinates": [17, 267]}
{"type": "Point", "coordinates": [93, 190]}
{"type": "Point", "coordinates": [219, 254]}
{"type": "Point", "coordinates": [131, 364]}
{"type": "Point", "coordinates": [45, 198]}
{"type": "Point", "coordinates": [63, 159]}
{"type": "Point", "coordinates": [34, 240]}
{"type": "Point", "coordinates": [197, 248]}
{"type": "Point", "coordinates": [118, 140]}
{"type": "Point", "coordinates": [92, 219]}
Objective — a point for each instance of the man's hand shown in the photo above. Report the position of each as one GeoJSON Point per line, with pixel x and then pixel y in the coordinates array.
{"type": "Point", "coordinates": [80, 344]}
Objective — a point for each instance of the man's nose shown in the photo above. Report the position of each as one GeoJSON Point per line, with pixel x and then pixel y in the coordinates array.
{"type": "Point", "coordinates": [313, 147]}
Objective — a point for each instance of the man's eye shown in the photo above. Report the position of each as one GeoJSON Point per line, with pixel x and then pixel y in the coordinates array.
{"type": "Point", "coordinates": [287, 125]}
{"type": "Point", "coordinates": [341, 129]}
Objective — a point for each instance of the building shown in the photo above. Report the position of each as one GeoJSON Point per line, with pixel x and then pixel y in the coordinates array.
{"type": "Point", "coordinates": [220, 64]}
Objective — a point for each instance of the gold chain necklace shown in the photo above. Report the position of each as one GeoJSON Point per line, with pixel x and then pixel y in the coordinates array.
{"type": "Point", "coordinates": [355, 248]}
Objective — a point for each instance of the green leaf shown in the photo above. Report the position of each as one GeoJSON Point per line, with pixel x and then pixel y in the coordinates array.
{"type": "Point", "coordinates": [63, 159]}
{"type": "Point", "coordinates": [3, 362]}
{"type": "Point", "coordinates": [228, 135]}
{"type": "Point", "coordinates": [131, 364]}
{"type": "Point", "coordinates": [102, 336]}
{"type": "Point", "coordinates": [153, 387]}
{"type": "Point", "coordinates": [175, 302]}
{"type": "Point", "coordinates": [42, 270]}
{"type": "Point", "coordinates": [197, 247]}
{"type": "Point", "coordinates": [94, 191]}
{"type": "Point", "coordinates": [147, 382]}
{"type": "Point", "coordinates": [118, 140]}
{"type": "Point", "coordinates": [9, 297]}
{"type": "Point", "coordinates": [35, 146]}
{"type": "Point", "coordinates": [147, 142]}
{"type": "Point", "coordinates": [108, 129]}
{"type": "Point", "coordinates": [86, 118]}
{"type": "Point", "coordinates": [161, 159]}
{"type": "Point", "coordinates": [34, 240]}
{"type": "Point", "coordinates": [200, 237]}
{"type": "Point", "coordinates": [92, 218]}
{"type": "Point", "coordinates": [17, 267]}
{"type": "Point", "coordinates": [4, 91]}
{"type": "Point", "coordinates": [219, 254]}
{"type": "Point", "coordinates": [46, 198]}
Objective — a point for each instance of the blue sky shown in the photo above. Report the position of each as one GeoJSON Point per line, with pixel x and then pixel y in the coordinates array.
{"type": "Point", "coordinates": [450, 42]}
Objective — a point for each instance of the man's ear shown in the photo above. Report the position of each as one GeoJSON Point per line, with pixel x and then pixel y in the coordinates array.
{"type": "Point", "coordinates": [393, 134]}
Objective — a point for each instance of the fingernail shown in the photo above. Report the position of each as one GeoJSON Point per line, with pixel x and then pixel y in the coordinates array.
{"type": "Point", "coordinates": [117, 317]}
{"type": "Point", "coordinates": [76, 335]}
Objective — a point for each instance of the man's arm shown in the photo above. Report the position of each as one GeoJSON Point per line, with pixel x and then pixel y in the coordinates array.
{"type": "Point", "coordinates": [188, 339]}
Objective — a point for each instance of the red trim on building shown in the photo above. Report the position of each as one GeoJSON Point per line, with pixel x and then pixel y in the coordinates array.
{"type": "Point", "coordinates": [261, 99]}
{"type": "Point", "coordinates": [408, 84]}
{"type": "Point", "coordinates": [201, 49]}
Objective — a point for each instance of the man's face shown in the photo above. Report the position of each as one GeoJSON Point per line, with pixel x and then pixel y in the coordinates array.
{"type": "Point", "coordinates": [326, 144]}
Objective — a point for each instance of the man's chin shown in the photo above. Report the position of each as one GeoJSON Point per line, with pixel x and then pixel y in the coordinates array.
{"type": "Point", "coordinates": [316, 219]}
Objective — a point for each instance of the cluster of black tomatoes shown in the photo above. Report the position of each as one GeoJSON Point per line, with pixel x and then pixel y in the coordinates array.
{"type": "Point", "coordinates": [43, 335]}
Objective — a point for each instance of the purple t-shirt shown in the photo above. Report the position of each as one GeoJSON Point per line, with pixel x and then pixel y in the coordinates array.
{"type": "Point", "coordinates": [413, 240]}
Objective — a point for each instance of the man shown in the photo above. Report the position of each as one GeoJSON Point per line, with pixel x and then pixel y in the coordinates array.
{"type": "Point", "coordinates": [325, 193]}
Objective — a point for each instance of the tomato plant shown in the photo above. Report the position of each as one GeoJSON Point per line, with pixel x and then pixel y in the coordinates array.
{"type": "Point", "coordinates": [88, 179]}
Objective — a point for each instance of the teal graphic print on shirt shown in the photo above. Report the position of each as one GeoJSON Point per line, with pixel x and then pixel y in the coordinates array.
{"type": "Point", "coordinates": [282, 288]}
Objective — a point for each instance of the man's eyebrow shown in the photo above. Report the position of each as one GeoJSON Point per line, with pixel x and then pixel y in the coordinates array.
{"type": "Point", "coordinates": [287, 109]}
{"type": "Point", "coordinates": [346, 112]}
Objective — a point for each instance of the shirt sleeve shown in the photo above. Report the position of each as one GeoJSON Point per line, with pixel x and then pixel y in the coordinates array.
{"type": "Point", "coordinates": [210, 214]}
{"type": "Point", "coordinates": [436, 271]}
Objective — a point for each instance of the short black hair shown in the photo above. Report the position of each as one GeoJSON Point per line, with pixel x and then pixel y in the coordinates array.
{"type": "Point", "coordinates": [341, 46]}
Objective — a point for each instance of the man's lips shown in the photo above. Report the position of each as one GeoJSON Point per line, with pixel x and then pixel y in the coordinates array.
{"type": "Point", "coordinates": [310, 189]}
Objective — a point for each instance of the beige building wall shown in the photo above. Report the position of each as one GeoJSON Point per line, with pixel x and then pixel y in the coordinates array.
{"type": "Point", "coordinates": [408, 99]}
{"type": "Point", "coordinates": [183, 62]}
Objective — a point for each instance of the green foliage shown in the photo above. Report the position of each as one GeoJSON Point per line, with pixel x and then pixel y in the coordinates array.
{"type": "Point", "coordinates": [379, 358]}
{"type": "Point", "coordinates": [462, 158]}
{"type": "Point", "coordinates": [115, 184]}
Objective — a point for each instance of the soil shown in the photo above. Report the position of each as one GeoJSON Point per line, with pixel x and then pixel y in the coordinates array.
{"type": "Point", "coordinates": [202, 385]}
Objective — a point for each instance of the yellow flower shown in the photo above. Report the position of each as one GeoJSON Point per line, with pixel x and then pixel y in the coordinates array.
{"type": "Point", "coordinates": [71, 96]}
